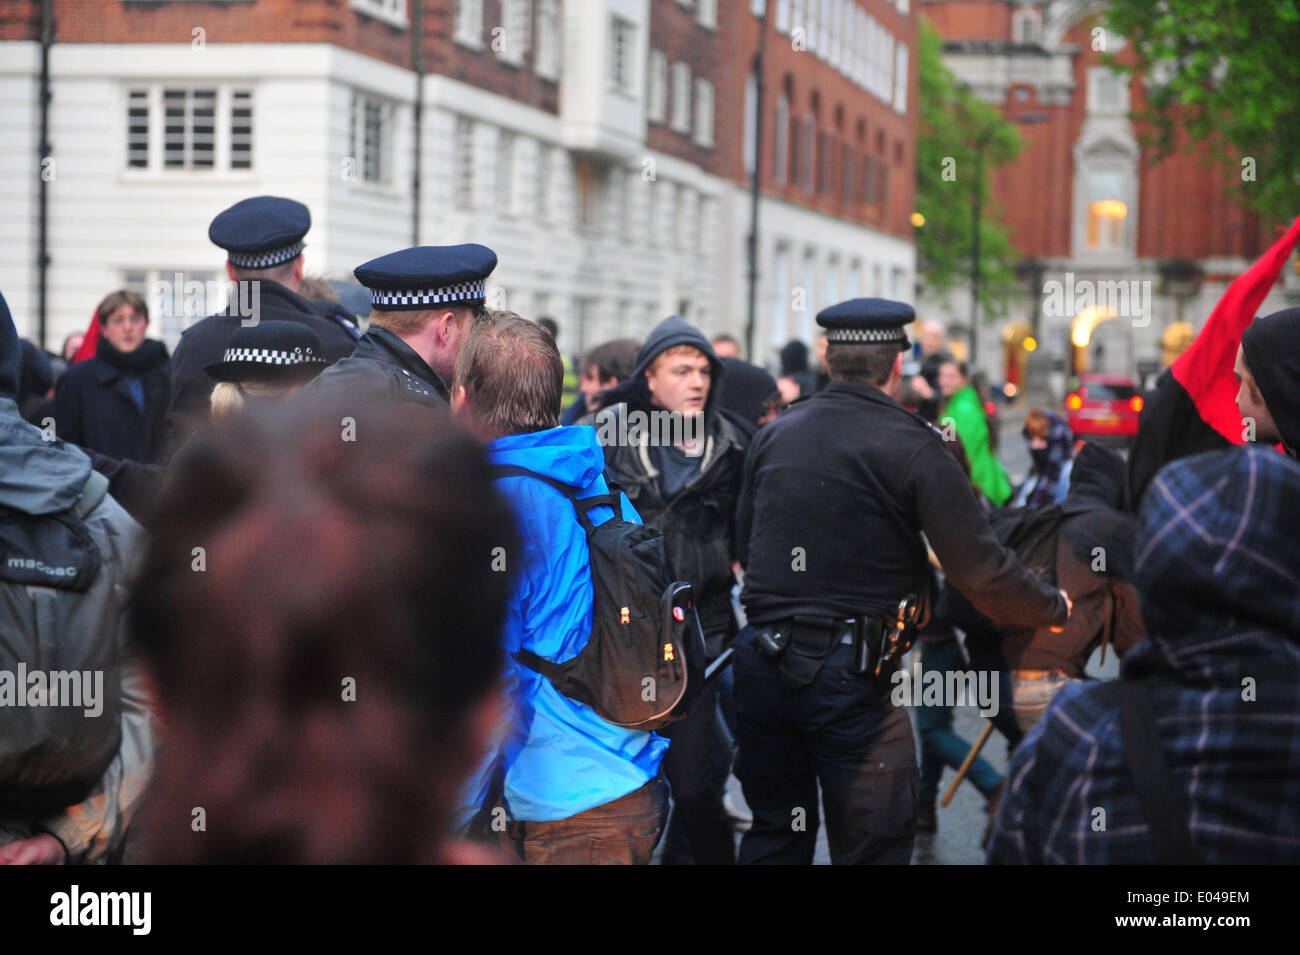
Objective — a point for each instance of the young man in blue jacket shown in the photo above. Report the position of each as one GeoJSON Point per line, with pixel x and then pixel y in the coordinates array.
{"type": "Point", "coordinates": [576, 789]}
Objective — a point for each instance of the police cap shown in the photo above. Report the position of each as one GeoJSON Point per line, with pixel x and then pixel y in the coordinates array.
{"type": "Point", "coordinates": [867, 321]}
{"type": "Point", "coordinates": [427, 276]}
{"type": "Point", "coordinates": [262, 232]}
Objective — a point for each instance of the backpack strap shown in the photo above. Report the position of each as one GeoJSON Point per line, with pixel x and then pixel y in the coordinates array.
{"type": "Point", "coordinates": [94, 490]}
{"type": "Point", "coordinates": [1164, 805]}
{"type": "Point", "coordinates": [582, 506]}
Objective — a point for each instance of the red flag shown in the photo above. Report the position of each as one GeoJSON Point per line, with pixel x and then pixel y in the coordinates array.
{"type": "Point", "coordinates": [90, 343]}
{"type": "Point", "coordinates": [1205, 369]}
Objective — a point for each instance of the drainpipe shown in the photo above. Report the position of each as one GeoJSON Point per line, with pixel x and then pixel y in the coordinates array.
{"type": "Point", "coordinates": [417, 61]}
{"type": "Point", "coordinates": [42, 242]}
{"type": "Point", "coordinates": [759, 70]}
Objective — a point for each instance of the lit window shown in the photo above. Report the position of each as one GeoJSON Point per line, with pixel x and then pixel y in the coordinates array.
{"type": "Point", "coordinates": [1107, 210]}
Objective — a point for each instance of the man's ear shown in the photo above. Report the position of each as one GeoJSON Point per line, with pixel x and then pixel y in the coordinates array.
{"type": "Point", "coordinates": [230, 270]}
{"type": "Point", "coordinates": [898, 366]}
{"type": "Point", "coordinates": [298, 269]}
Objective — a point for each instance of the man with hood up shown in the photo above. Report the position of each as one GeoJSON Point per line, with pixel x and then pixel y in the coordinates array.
{"type": "Point", "coordinates": [1268, 368]}
{"type": "Point", "coordinates": [684, 479]}
{"type": "Point", "coordinates": [71, 777]}
{"type": "Point", "coordinates": [1213, 779]}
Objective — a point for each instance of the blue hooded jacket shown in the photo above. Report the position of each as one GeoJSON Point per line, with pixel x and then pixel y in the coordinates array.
{"type": "Point", "coordinates": [560, 758]}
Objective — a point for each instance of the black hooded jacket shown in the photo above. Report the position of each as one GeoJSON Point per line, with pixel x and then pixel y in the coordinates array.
{"type": "Point", "coordinates": [1271, 347]}
{"type": "Point", "coordinates": [698, 522]}
{"type": "Point", "coordinates": [94, 407]}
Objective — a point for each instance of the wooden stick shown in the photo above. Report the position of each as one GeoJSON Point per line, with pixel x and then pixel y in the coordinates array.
{"type": "Point", "coordinates": [965, 766]}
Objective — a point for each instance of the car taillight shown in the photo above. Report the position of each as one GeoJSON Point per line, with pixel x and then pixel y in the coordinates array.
{"type": "Point", "coordinates": [1074, 402]}
{"type": "Point", "coordinates": [990, 408]}
{"type": "Point", "coordinates": [1135, 402]}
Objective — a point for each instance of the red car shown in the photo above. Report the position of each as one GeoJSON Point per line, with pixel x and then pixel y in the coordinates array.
{"type": "Point", "coordinates": [1104, 406]}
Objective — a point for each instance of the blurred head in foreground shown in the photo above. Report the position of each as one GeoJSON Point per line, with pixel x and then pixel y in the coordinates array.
{"type": "Point", "coordinates": [321, 614]}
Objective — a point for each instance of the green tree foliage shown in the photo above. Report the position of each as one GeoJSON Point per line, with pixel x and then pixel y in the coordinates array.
{"type": "Point", "coordinates": [1226, 73]}
{"type": "Point", "coordinates": [952, 120]}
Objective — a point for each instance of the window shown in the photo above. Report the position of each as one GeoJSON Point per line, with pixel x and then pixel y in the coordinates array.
{"type": "Point", "coordinates": [469, 23]}
{"type": "Point", "coordinates": [189, 137]}
{"type": "Point", "coordinates": [505, 173]}
{"type": "Point", "coordinates": [809, 140]}
{"type": "Point", "coordinates": [546, 58]}
{"type": "Point", "coordinates": [758, 7]}
{"type": "Point", "coordinates": [681, 118]}
{"type": "Point", "coordinates": [783, 15]}
{"type": "Point", "coordinates": [900, 79]}
{"type": "Point", "coordinates": [1026, 26]}
{"type": "Point", "coordinates": [392, 12]}
{"type": "Point", "coordinates": [653, 219]}
{"type": "Point", "coordinates": [657, 92]}
{"type": "Point", "coordinates": [1107, 210]}
{"type": "Point", "coordinates": [832, 279]}
{"type": "Point", "coordinates": [464, 159]}
{"type": "Point", "coordinates": [704, 222]}
{"type": "Point", "coordinates": [809, 283]}
{"type": "Point", "coordinates": [1107, 91]}
{"type": "Point", "coordinates": [851, 280]}
{"type": "Point", "coordinates": [780, 168]}
{"type": "Point", "coordinates": [369, 144]}
{"type": "Point", "coordinates": [703, 113]}
{"type": "Point", "coordinates": [189, 129]}
{"type": "Point", "coordinates": [545, 210]}
{"type": "Point", "coordinates": [706, 12]}
{"type": "Point", "coordinates": [904, 6]}
{"type": "Point", "coordinates": [751, 110]}
{"type": "Point", "coordinates": [846, 174]}
{"type": "Point", "coordinates": [622, 50]}
{"type": "Point", "coordinates": [513, 44]}
{"type": "Point", "coordinates": [781, 298]}
{"type": "Point", "coordinates": [588, 196]}
{"type": "Point", "coordinates": [825, 162]}
{"type": "Point", "coordinates": [627, 180]}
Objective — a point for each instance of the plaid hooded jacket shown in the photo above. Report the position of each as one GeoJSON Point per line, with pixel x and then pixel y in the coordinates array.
{"type": "Point", "coordinates": [1218, 570]}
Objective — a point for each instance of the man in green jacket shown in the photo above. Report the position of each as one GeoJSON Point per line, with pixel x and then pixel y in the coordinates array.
{"type": "Point", "coordinates": [963, 410]}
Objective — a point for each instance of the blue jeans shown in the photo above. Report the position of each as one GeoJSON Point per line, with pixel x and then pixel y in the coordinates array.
{"type": "Point", "coordinates": [940, 746]}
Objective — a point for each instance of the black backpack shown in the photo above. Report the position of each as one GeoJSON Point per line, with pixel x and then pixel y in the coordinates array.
{"type": "Point", "coordinates": [643, 666]}
{"type": "Point", "coordinates": [1033, 533]}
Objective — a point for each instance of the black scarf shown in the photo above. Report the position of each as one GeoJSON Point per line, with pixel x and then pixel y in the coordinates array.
{"type": "Point", "coordinates": [143, 360]}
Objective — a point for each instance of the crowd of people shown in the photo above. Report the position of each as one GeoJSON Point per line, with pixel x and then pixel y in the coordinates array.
{"type": "Point", "coordinates": [363, 595]}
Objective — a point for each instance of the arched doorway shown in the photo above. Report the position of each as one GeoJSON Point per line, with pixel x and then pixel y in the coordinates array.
{"type": "Point", "coordinates": [1017, 341]}
{"type": "Point", "coordinates": [1081, 330]}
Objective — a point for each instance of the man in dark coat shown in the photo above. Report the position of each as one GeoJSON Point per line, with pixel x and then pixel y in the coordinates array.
{"type": "Point", "coordinates": [686, 487]}
{"type": "Point", "coordinates": [425, 301]}
{"type": "Point", "coordinates": [263, 240]}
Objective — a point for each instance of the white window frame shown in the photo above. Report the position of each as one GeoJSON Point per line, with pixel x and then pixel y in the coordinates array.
{"type": "Point", "coordinates": [706, 14]}
{"type": "Point", "coordinates": [546, 55]}
{"type": "Point", "coordinates": [505, 179]}
{"type": "Point", "coordinates": [657, 88]}
{"type": "Point", "coordinates": [1097, 75]}
{"type": "Point", "coordinates": [900, 78]}
{"type": "Point", "coordinates": [463, 178]}
{"type": "Point", "coordinates": [621, 60]}
{"type": "Point", "coordinates": [516, 19]}
{"type": "Point", "coordinates": [1026, 16]}
{"type": "Point", "coordinates": [357, 142]}
{"type": "Point", "coordinates": [704, 100]}
{"type": "Point", "coordinates": [392, 12]}
{"type": "Point", "coordinates": [680, 106]}
{"type": "Point", "coordinates": [468, 28]}
{"type": "Point", "coordinates": [156, 122]}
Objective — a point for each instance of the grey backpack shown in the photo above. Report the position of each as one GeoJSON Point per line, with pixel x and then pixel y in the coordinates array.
{"type": "Point", "coordinates": [60, 640]}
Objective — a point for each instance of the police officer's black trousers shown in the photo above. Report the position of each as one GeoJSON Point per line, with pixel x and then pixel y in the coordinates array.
{"type": "Point", "coordinates": [839, 731]}
{"type": "Point", "coordinates": [697, 765]}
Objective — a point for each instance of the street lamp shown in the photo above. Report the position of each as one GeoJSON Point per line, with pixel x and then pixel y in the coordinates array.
{"type": "Point", "coordinates": [981, 142]}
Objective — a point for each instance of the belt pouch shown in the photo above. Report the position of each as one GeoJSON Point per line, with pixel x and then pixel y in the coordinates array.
{"type": "Point", "coordinates": [811, 642]}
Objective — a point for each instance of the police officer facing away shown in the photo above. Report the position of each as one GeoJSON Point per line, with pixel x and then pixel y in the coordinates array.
{"type": "Point", "coordinates": [835, 497]}
{"type": "Point", "coordinates": [425, 301]}
{"type": "Point", "coordinates": [263, 240]}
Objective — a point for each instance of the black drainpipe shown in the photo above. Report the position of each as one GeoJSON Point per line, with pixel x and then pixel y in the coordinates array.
{"type": "Point", "coordinates": [417, 61]}
{"type": "Point", "coordinates": [42, 253]}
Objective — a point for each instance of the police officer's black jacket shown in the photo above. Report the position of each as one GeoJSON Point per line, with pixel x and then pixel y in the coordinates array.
{"type": "Point", "coordinates": [204, 343]}
{"type": "Point", "coordinates": [381, 367]}
{"type": "Point", "coordinates": [836, 493]}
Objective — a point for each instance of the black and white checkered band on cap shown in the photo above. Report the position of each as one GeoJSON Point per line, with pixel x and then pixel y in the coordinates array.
{"type": "Point", "coordinates": [865, 336]}
{"type": "Point", "coordinates": [271, 356]}
{"type": "Point", "coordinates": [417, 298]}
{"type": "Point", "coordinates": [265, 260]}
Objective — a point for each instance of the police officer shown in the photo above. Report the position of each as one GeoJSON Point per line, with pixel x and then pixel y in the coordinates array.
{"type": "Point", "coordinates": [424, 301]}
{"type": "Point", "coordinates": [835, 496]}
{"type": "Point", "coordinates": [263, 239]}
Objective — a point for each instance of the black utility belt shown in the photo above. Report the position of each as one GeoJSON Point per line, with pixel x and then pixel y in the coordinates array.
{"type": "Point", "coordinates": [803, 642]}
